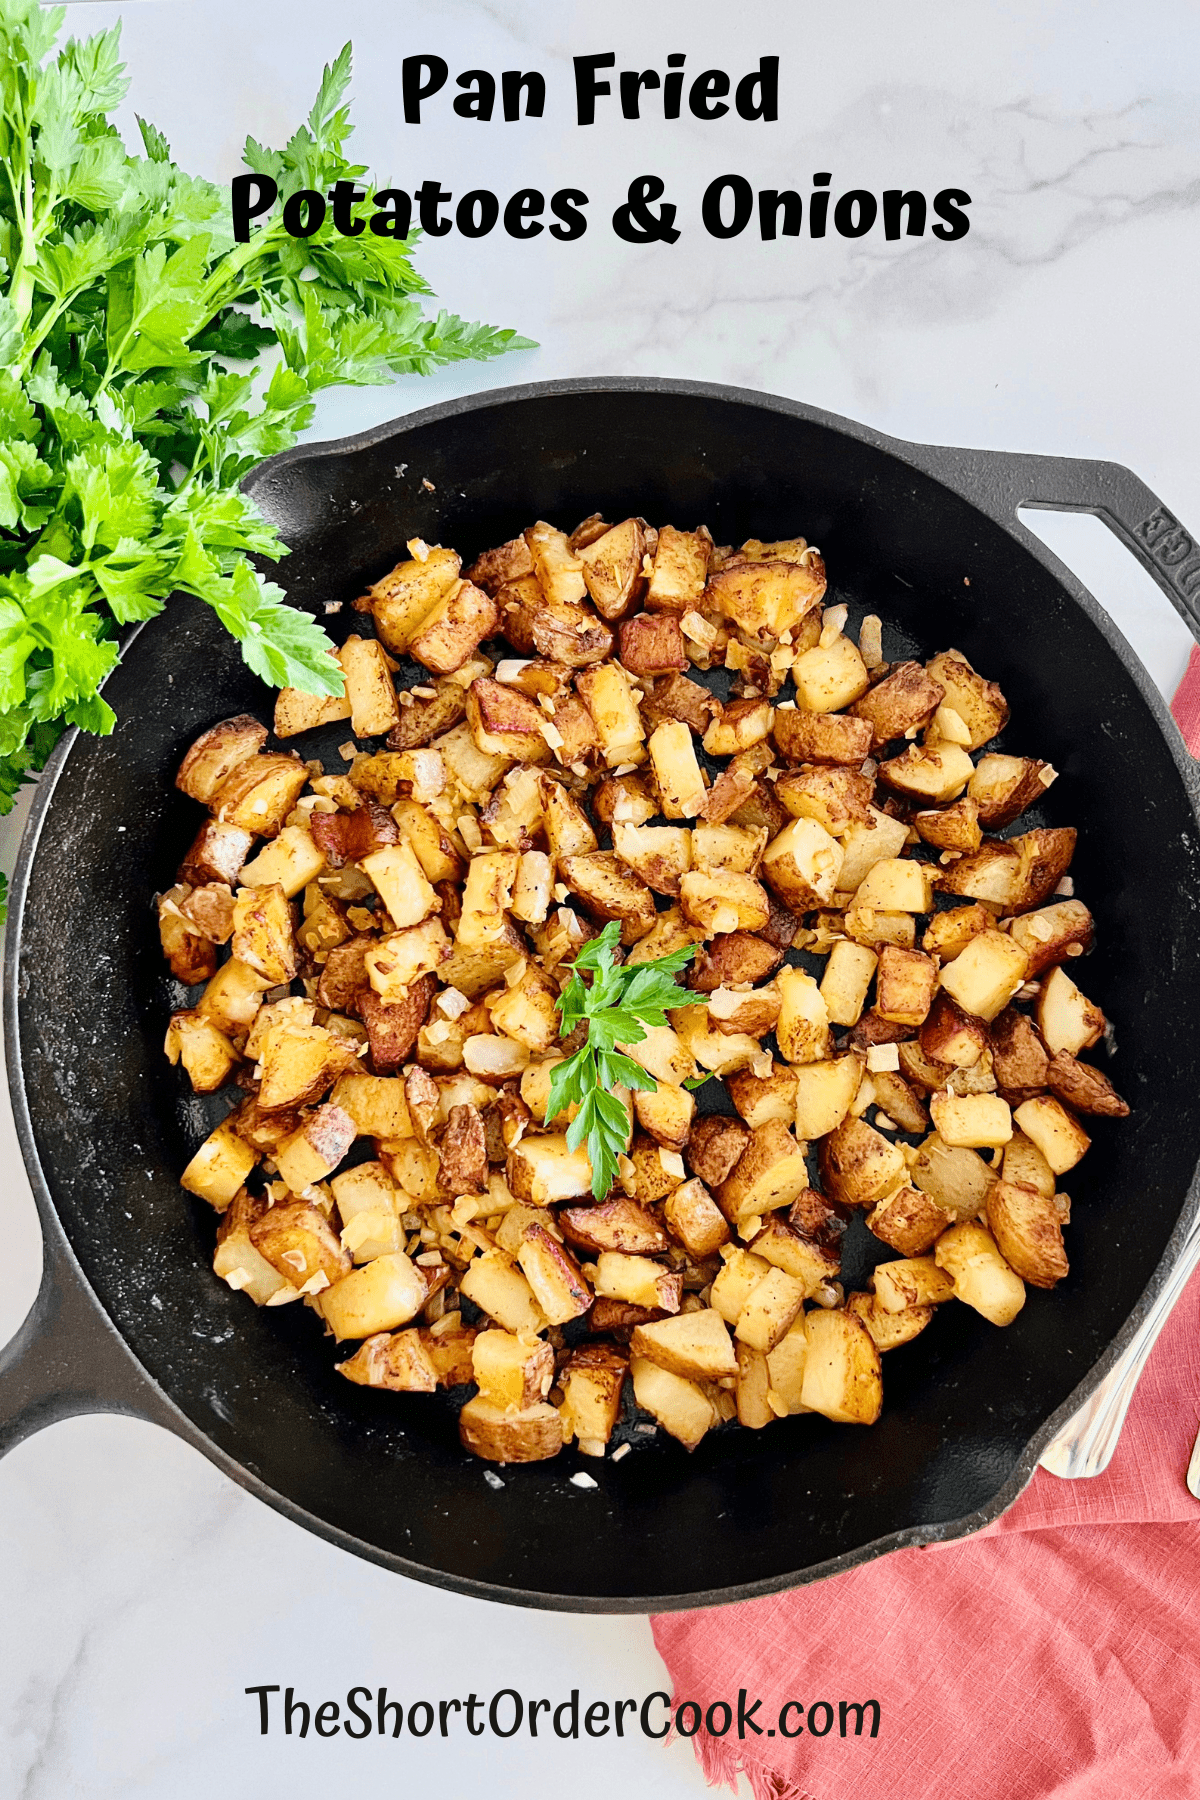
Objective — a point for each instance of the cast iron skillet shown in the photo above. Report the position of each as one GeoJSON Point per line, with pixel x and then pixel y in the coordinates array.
{"type": "Point", "coordinates": [129, 1317]}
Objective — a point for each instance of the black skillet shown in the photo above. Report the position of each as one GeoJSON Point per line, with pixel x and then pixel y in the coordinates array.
{"type": "Point", "coordinates": [129, 1317]}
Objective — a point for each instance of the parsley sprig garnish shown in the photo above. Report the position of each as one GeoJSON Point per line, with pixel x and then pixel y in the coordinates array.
{"type": "Point", "coordinates": [134, 389]}
{"type": "Point", "coordinates": [620, 1005]}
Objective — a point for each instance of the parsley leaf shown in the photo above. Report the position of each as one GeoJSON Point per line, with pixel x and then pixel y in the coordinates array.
{"type": "Point", "coordinates": [619, 1006]}
{"type": "Point", "coordinates": [124, 432]}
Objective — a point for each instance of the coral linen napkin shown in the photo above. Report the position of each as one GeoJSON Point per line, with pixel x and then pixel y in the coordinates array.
{"type": "Point", "coordinates": [1056, 1653]}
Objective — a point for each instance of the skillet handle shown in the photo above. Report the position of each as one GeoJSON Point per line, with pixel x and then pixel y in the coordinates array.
{"type": "Point", "coordinates": [1001, 481]}
{"type": "Point", "coordinates": [67, 1359]}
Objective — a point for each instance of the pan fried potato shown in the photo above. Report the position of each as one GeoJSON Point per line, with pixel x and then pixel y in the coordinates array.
{"type": "Point", "coordinates": [843, 1376]}
{"type": "Point", "coordinates": [382, 956]}
{"type": "Point", "coordinates": [981, 1277]}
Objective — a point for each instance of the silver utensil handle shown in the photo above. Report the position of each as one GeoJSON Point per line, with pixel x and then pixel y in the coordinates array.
{"type": "Point", "coordinates": [1086, 1443]}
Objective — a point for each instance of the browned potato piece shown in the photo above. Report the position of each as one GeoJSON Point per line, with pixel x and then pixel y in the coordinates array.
{"type": "Point", "coordinates": [982, 1278]}
{"type": "Point", "coordinates": [592, 1383]}
{"type": "Point", "coordinates": [951, 931]}
{"type": "Point", "coordinates": [607, 889]}
{"type": "Point", "coordinates": [813, 1263]}
{"type": "Point", "coordinates": [652, 644]}
{"type": "Point", "coordinates": [1018, 1056]}
{"type": "Point", "coordinates": [392, 1028]}
{"type": "Point", "coordinates": [807, 737]}
{"type": "Point", "coordinates": [739, 726]}
{"type": "Point", "coordinates": [455, 627]}
{"type": "Point", "coordinates": [843, 1377]}
{"type": "Point", "coordinates": [950, 827]}
{"type": "Point", "coordinates": [681, 1407]}
{"type": "Point", "coordinates": [765, 599]}
{"type": "Point", "coordinates": [568, 832]}
{"type": "Point", "coordinates": [715, 1145]}
{"type": "Point", "coordinates": [215, 755]}
{"type": "Point", "coordinates": [191, 954]}
{"type": "Point", "coordinates": [403, 599]}
{"type": "Point", "coordinates": [770, 1309]}
{"type": "Point", "coordinates": [205, 1052]}
{"type": "Point", "coordinates": [762, 1098]}
{"type": "Point", "coordinates": [825, 1092]}
{"type": "Point", "coordinates": [694, 1217]}
{"type": "Point", "coordinates": [542, 1171]}
{"type": "Point", "coordinates": [732, 959]}
{"type": "Point", "coordinates": [658, 854]}
{"type": "Point", "coordinates": [802, 865]}
{"type": "Point", "coordinates": [888, 1330]}
{"type": "Point", "coordinates": [905, 982]}
{"type": "Point", "coordinates": [859, 1165]}
{"type": "Point", "coordinates": [397, 1361]}
{"type": "Point", "coordinates": [984, 977]}
{"type": "Point", "coordinates": [1028, 1232]}
{"type": "Point", "coordinates": [666, 1114]}
{"type": "Point", "coordinates": [834, 797]}
{"type": "Point", "coordinates": [526, 1011]}
{"type": "Point", "coordinates": [217, 853]}
{"type": "Point", "coordinates": [638, 1280]}
{"type": "Point", "coordinates": [300, 1244]}
{"type": "Point", "coordinates": [370, 689]}
{"type": "Point", "coordinates": [568, 633]}
{"type": "Point", "coordinates": [956, 1180]}
{"type": "Point", "coordinates": [1066, 1018]}
{"type": "Point", "coordinates": [913, 1281]}
{"type": "Point", "coordinates": [770, 1172]}
{"type": "Point", "coordinates": [422, 720]}
{"type": "Point", "coordinates": [619, 1224]}
{"type": "Point", "coordinates": [695, 1345]}
{"type": "Point", "coordinates": [753, 1390]}
{"type": "Point", "coordinates": [909, 1221]}
{"type": "Point", "coordinates": [894, 1097]}
{"type": "Point", "coordinates": [679, 569]}
{"type": "Point", "coordinates": [952, 1036]}
{"type": "Point", "coordinates": [904, 700]}
{"type": "Point", "coordinates": [724, 902]}
{"type": "Point", "coordinates": [220, 1166]}
{"type": "Point", "coordinates": [300, 1064]}
{"type": "Point", "coordinates": [512, 1372]}
{"type": "Point", "coordinates": [979, 703]}
{"type": "Point", "coordinates": [677, 697]}
{"type": "Point", "coordinates": [260, 793]}
{"type": "Point", "coordinates": [972, 1121]}
{"type": "Point", "coordinates": [505, 722]}
{"type": "Point", "coordinates": [496, 568]}
{"type": "Point", "coordinates": [1084, 1088]}
{"type": "Point", "coordinates": [1053, 934]}
{"type": "Point", "coordinates": [1045, 858]}
{"type": "Point", "coordinates": [612, 569]}
{"type": "Point", "coordinates": [315, 1150]}
{"type": "Point", "coordinates": [1003, 786]}
{"type": "Point", "coordinates": [500, 1436]}
{"type": "Point", "coordinates": [1056, 1132]}
{"type": "Point", "coordinates": [936, 773]}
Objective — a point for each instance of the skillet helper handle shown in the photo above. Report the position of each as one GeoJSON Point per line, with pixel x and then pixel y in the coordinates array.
{"type": "Point", "coordinates": [67, 1360]}
{"type": "Point", "coordinates": [1002, 481]}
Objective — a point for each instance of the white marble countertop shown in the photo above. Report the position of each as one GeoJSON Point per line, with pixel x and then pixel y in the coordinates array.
{"type": "Point", "coordinates": [142, 1590]}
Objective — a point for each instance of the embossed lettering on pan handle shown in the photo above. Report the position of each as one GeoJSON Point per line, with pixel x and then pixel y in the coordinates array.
{"type": "Point", "coordinates": [1002, 481]}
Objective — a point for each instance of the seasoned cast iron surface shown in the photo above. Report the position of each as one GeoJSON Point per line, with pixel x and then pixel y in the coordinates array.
{"type": "Point", "coordinates": [114, 1125]}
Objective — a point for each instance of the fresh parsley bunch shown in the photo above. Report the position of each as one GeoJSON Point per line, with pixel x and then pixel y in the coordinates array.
{"type": "Point", "coordinates": [132, 395]}
{"type": "Point", "coordinates": [619, 1007]}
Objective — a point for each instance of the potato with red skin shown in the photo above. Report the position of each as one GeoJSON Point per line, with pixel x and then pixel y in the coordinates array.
{"type": "Point", "coordinates": [903, 701]}
{"type": "Point", "coordinates": [652, 644]}
{"type": "Point", "coordinates": [346, 837]}
{"type": "Point", "coordinates": [392, 1029]}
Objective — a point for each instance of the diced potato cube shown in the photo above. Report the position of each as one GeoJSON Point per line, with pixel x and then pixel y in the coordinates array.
{"type": "Point", "coordinates": [592, 1383]}
{"type": "Point", "coordinates": [512, 1372]}
{"type": "Point", "coordinates": [785, 1370]}
{"type": "Point", "coordinates": [1066, 1019]}
{"type": "Point", "coordinates": [972, 1121]}
{"type": "Point", "coordinates": [897, 884]}
{"type": "Point", "coordinates": [680, 783]}
{"type": "Point", "coordinates": [378, 1297]}
{"type": "Point", "coordinates": [606, 691]}
{"type": "Point", "coordinates": [913, 1281]}
{"type": "Point", "coordinates": [849, 972]}
{"type": "Point", "coordinates": [904, 985]}
{"type": "Point", "coordinates": [220, 1166]}
{"type": "Point", "coordinates": [542, 1170]}
{"type": "Point", "coordinates": [859, 1165]}
{"type": "Point", "coordinates": [290, 861]}
{"type": "Point", "coordinates": [498, 1435]}
{"type": "Point", "coordinates": [264, 938]}
{"type": "Point", "coordinates": [802, 1030]}
{"type": "Point", "coordinates": [681, 1407]}
{"type": "Point", "coordinates": [843, 1377]}
{"type": "Point", "coordinates": [824, 1094]}
{"type": "Point", "coordinates": [932, 774]}
{"type": "Point", "coordinates": [771, 1172]}
{"type": "Point", "coordinates": [638, 1280]}
{"type": "Point", "coordinates": [830, 677]}
{"type": "Point", "coordinates": [1027, 1228]}
{"type": "Point", "coordinates": [986, 974]}
{"type": "Point", "coordinates": [555, 1277]}
{"type": "Point", "coordinates": [695, 1345]}
{"type": "Point", "coordinates": [803, 865]}
{"type": "Point", "coordinates": [693, 1216]}
{"type": "Point", "coordinates": [769, 1310]}
{"type": "Point", "coordinates": [495, 1284]}
{"type": "Point", "coordinates": [1056, 1132]}
{"type": "Point", "coordinates": [370, 689]}
{"type": "Point", "coordinates": [981, 1277]}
